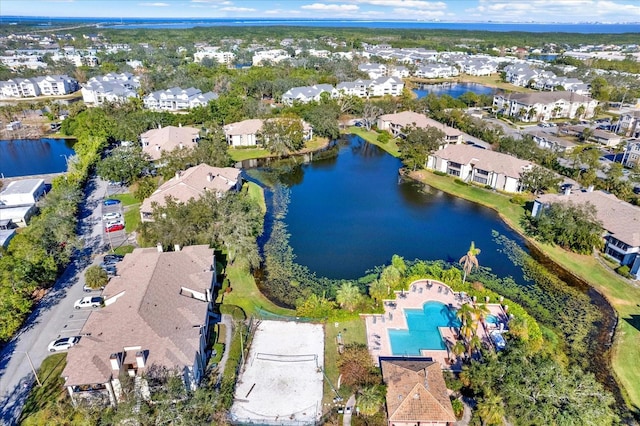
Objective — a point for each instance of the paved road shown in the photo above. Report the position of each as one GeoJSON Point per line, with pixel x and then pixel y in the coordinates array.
{"type": "Point", "coordinates": [54, 316]}
{"type": "Point", "coordinates": [348, 410]}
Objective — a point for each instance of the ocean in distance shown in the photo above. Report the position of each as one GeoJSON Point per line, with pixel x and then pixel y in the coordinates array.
{"type": "Point", "coordinates": [147, 23]}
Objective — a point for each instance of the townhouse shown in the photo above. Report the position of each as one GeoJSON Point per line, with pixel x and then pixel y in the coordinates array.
{"type": "Point", "coordinates": [168, 138]}
{"type": "Point", "coordinates": [176, 99]}
{"type": "Point", "coordinates": [247, 132]}
{"type": "Point", "coordinates": [397, 123]}
{"type": "Point", "coordinates": [544, 106]}
{"type": "Point", "coordinates": [111, 87]}
{"type": "Point", "coordinates": [52, 85]}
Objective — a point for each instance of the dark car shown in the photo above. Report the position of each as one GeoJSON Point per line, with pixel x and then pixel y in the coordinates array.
{"type": "Point", "coordinates": [110, 202]}
{"type": "Point", "coordinates": [114, 227]}
{"type": "Point", "coordinates": [110, 259]}
{"type": "Point", "coordinates": [108, 268]}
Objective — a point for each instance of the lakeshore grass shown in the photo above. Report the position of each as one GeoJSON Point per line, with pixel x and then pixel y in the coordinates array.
{"type": "Point", "coordinates": [236, 154]}
{"type": "Point", "coordinates": [370, 136]}
{"type": "Point", "coordinates": [621, 294]}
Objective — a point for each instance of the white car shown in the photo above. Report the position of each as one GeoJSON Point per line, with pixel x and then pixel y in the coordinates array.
{"type": "Point", "coordinates": [110, 216]}
{"type": "Point", "coordinates": [63, 344]}
{"type": "Point", "coordinates": [113, 222]}
{"type": "Point", "coordinates": [88, 302]}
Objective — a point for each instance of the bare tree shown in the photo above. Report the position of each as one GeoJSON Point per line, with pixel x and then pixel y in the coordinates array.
{"type": "Point", "coordinates": [370, 114]}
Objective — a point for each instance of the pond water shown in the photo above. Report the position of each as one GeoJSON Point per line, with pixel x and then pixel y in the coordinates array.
{"type": "Point", "coordinates": [352, 212]}
{"type": "Point", "coordinates": [453, 89]}
{"type": "Point", "coordinates": [24, 157]}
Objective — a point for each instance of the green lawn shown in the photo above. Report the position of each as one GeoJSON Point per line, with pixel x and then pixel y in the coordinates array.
{"type": "Point", "coordinates": [52, 389]}
{"type": "Point", "coordinates": [131, 217]}
{"type": "Point", "coordinates": [370, 136]}
{"type": "Point", "coordinates": [251, 153]}
{"type": "Point", "coordinates": [622, 295]}
{"type": "Point", "coordinates": [352, 331]}
{"type": "Point", "coordinates": [127, 199]}
{"type": "Point", "coordinates": [256, 194]}
{"type": "Point", "coordinates": [245, 292]}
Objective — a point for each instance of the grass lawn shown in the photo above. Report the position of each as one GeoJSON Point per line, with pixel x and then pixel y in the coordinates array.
{"type": "Point", "coordinates": [249, 153]}
{"type": "Point", "coordinates": [245, 292]}
{"type": "Point", "coordinates": [256, 194]}
{"type": "Point", "coordinates": [623, 296]}
{"type": "Point", "coordinates": [370, 136]}
{"type": "Point", "coordinates": [122, 250]}
{"type": "Point", "coordinates": [52, 389]}
{"type": "Point", "coordinates": [127, 199]}
{"type": "Point", "coordinates": [352, 331]}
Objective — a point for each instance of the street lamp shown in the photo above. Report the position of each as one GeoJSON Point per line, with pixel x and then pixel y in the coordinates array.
{"type": "Point", "coordinates": [32, 367]}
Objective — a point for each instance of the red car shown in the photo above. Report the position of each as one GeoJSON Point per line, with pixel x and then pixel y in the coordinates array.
{"type": "Point", "coordinates": [116, 227]}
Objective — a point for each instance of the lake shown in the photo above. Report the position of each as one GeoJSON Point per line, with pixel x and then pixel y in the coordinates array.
{"type": "Point", "coordinates": [350, 213]}
{"type": "Point", "coordinates": [23, 157]}
{"type": "Point", "coordinates": [454, 89]}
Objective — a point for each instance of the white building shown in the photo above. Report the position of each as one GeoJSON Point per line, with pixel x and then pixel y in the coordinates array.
{"type": "Point", "coordinates": [176, 99]}
{"type": "Point", "coordinates": [110, 88]}
{"type": "Point", "coordinates": [53, 85]}
{"type": "Point", "coordinates": [274, 55]}
{"type": "Point", "coordinates": [306, 94]}
{"type": "Point", "coordinates": [542, 106]}
{"type": "Point", "coordinates": [22, 192]}
{"type": "Point", "coordinates": [214, 52]}
{"type": "Point", "coordinates": [247, 132]}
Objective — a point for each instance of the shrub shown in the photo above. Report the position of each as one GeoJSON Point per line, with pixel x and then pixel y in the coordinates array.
{"type": "Point", "coordinates": [96, 277]}
{"type": "Point", "coordinates": [518, 199]}
{"type": "Point", "coordinates": [383, 137]}
{"type": "Point", "coordinates": [458, 408]}
{"type": "Point", "coordinates": [439, 173]}
{"type": "Point", "coordinates": [460, 182]}
{"type": "Point", "coordinates": [624, 271]}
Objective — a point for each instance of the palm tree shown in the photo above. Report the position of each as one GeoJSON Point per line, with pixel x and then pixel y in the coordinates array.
{"type": "Point", "coordinates": [348, 296]}
{"type": "Point", "coordinates": [371, 400]}
{"type": "Point", "coordinates": [458, 349]}
{"type": "Point", "coordinates": [491, 409]}
{"type": "Point", "coordinates": [474, 344]}
{"type": "Point", "coordinates": [469, 260]}
{"type": "Point", "coordinates": [378, 290]}
{"type": "Point", "coordinates": [580, 111]}
{"type": "Point", "coordinates": [479, 312]}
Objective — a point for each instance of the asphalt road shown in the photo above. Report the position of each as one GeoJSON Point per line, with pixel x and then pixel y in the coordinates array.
{"type": "Point", "coordinates": [54, 316]}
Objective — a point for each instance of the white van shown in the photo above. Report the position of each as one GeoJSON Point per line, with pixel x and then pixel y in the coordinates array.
{"type": "Point", "coordinates": [110, 216]}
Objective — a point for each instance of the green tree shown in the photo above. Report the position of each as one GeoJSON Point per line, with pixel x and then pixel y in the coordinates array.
{"type": "Point", "coordinates": [371, 399]}
{"type": "Point", "coordinates": [469, 261]}
{"type": "Point", "coordinates": [96, 277]}
{"type": "Point", "coordinates": [355, 366]}
{"type": "Point", "coordinates": [539, 179]}
{"type": "Point", "coordinates": [145, 187]}
{"type": "Point", "coordinates": [418, 144]}
{"type": "Point", "coordinates": [282, 135]}
{"type": "Point", "coordinates": [378, 290]}
{"type": "Point", "coordinates": [348, 296]}
{"type": "Point", "coordinates": [124, 164]}
{"type": "Point", "coordinates": [490, 409]}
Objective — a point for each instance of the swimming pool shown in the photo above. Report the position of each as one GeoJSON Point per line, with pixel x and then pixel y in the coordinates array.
{"type": "Point", "coordinates": [423, 330]}
{"type": "Point", "coordinates": [491, 319]}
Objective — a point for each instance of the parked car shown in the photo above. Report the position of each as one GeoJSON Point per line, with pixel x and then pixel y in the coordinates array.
{"type": "Point", "coordinates": [111, 216]}
{"type": "Point", "coordinates": [63, 344]}
{"type": "Point", "coordinates": [111, 259]}
{"type": "Point", "coordinates": [110, 202]}
{"type": "Point", "coordinates": [109, 268]}
{"type": "Point", "coordinates": [88, 289]}
{"type": "Point", "coordinates": [113, 222]}
{"type": "Point", "coordinates": [115, 227]}
{"type": "Point", "coordinates": [88, 302]}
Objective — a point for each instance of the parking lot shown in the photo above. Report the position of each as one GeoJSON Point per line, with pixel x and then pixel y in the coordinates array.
{"type": "Point", "coordinates": [113, 235]}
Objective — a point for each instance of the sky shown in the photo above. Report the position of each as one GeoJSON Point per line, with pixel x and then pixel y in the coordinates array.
{"type": "Point", "coordinates": [563, 11]}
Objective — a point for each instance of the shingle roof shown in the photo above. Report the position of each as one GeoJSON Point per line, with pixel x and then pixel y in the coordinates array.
{"type": "Point", "coordinates": [167, 139]}
{"type": "Point", "coordinates": [246, 127]}
{"type": "Point", "coordinates": [484, 159]}
{"type": "Point", "coordinates": [619, 218]}
{"type": "Point", "coordinates": [416, 391]}
{"type": "Point", "coordinates": [409, 118]}
{"type": "Point", "coordinates": [547, 97]}
{"type": "Point", "coordinates": [192, 183]}
{"type": "Point", "coordinates": [150, 312]}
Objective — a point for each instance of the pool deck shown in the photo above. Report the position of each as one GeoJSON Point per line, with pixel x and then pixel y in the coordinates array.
{"type": "Point", "coordinates": [422, 291]}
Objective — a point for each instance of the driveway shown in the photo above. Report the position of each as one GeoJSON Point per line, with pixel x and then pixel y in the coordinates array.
{"type": "Point", "coordinates": [54, 316]}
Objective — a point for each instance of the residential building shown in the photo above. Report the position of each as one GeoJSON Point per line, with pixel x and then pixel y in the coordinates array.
{"type": "Point", "coordinates": [274, 55]}
{"type": "Point", "coordinates": [157, 314]}
{"type": "Point", "coordinates": [53, 85]}
{"type": "Point", "coordinates": [247, 132]}
{"type": "Point", "coordinates": [382, 86]}
{"type": "Point", "coordinates": [542, 106]}
{"type": "Point", "coordinates": [22, 192]}
{"type": "Point", "coordinates": [359, 88]}
{"type": "Point", "coordinates": [605, 138]}
{"type": "Point", "coordinates": [168, 138]}
{"type": "Point", "coordinates": [191, 184]}
{"type": "Point", "coordinates": [110, 88]}
{"type": "Point", "coordinates": [631, 156]}
{"type": "Point", "coordinates": [176, 99]}
{"type": "Point", "coordinates": [214, 52]}
{"type": "Point", "coordinates": [629, 124]}
{"type": "Point", "coordinates": [436, 71]}
{"type": "Point", "coordinates": [620, 220]}
{"type": "Point", "coordinates": [416, 392]}
{"type": "Point", "coordinates": [396, 123]}
{"type": "Point", "coordinates": [19, 215]}
{"type": "Point", "coordinates": [373, 70]}
{"type": "Point", "coordinates": [552, 142]}
{"type": "Point", "coordinates": [306, 94]}
{"type": "Point", "coordinates": [482, 166]}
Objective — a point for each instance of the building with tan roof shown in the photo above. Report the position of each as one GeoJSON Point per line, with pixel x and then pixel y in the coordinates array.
{"type": "Point", "coordinates": [416, 392]}
{"type": "Point", "coordinates": [620, 220]}
{"type": "Point", "coordinates": [191, 185]}
{"type": "Point", "coordinates": [247, 132]}
{"type": "Point", "coordinates": [168, 138]}
{"type": "Point", "coordinates": [157, 313]}
{"type": "Point", "coordinates": [396, 123]}
{"type": "Point", "coordinates": [542, 106]}
{"type": "Point", "coordinates": [472, 164]}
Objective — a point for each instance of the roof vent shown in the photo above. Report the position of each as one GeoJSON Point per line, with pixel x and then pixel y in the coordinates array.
{"type": "Point", "coordinates": [416, 395]}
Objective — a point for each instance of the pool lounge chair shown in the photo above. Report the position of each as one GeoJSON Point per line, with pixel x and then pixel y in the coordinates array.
{"type": "Point", "coordinates": [420, 290]}
{"type": "Point", "coordinates": [382, 319]}
{"type": "Point", "coordinates": [374, 319]}
{"type": "Point", "coordinates": [439, 289]}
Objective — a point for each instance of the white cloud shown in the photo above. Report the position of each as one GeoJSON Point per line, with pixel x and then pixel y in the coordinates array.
{"type": "Point", "coordinates": [330, 7]}
{"type": "Point", "coordinates": [421, 14]}
{"type": "Point", "coordinates": [402, 4]}
{"type": "Point", "coordinates": [156, 4]}
{"type": "Point", "coordinates": [237, 9]}
{"type": "Point", "coordinates": [221, 2]}
{"type": "Point", "coordinates": [281, 12]}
